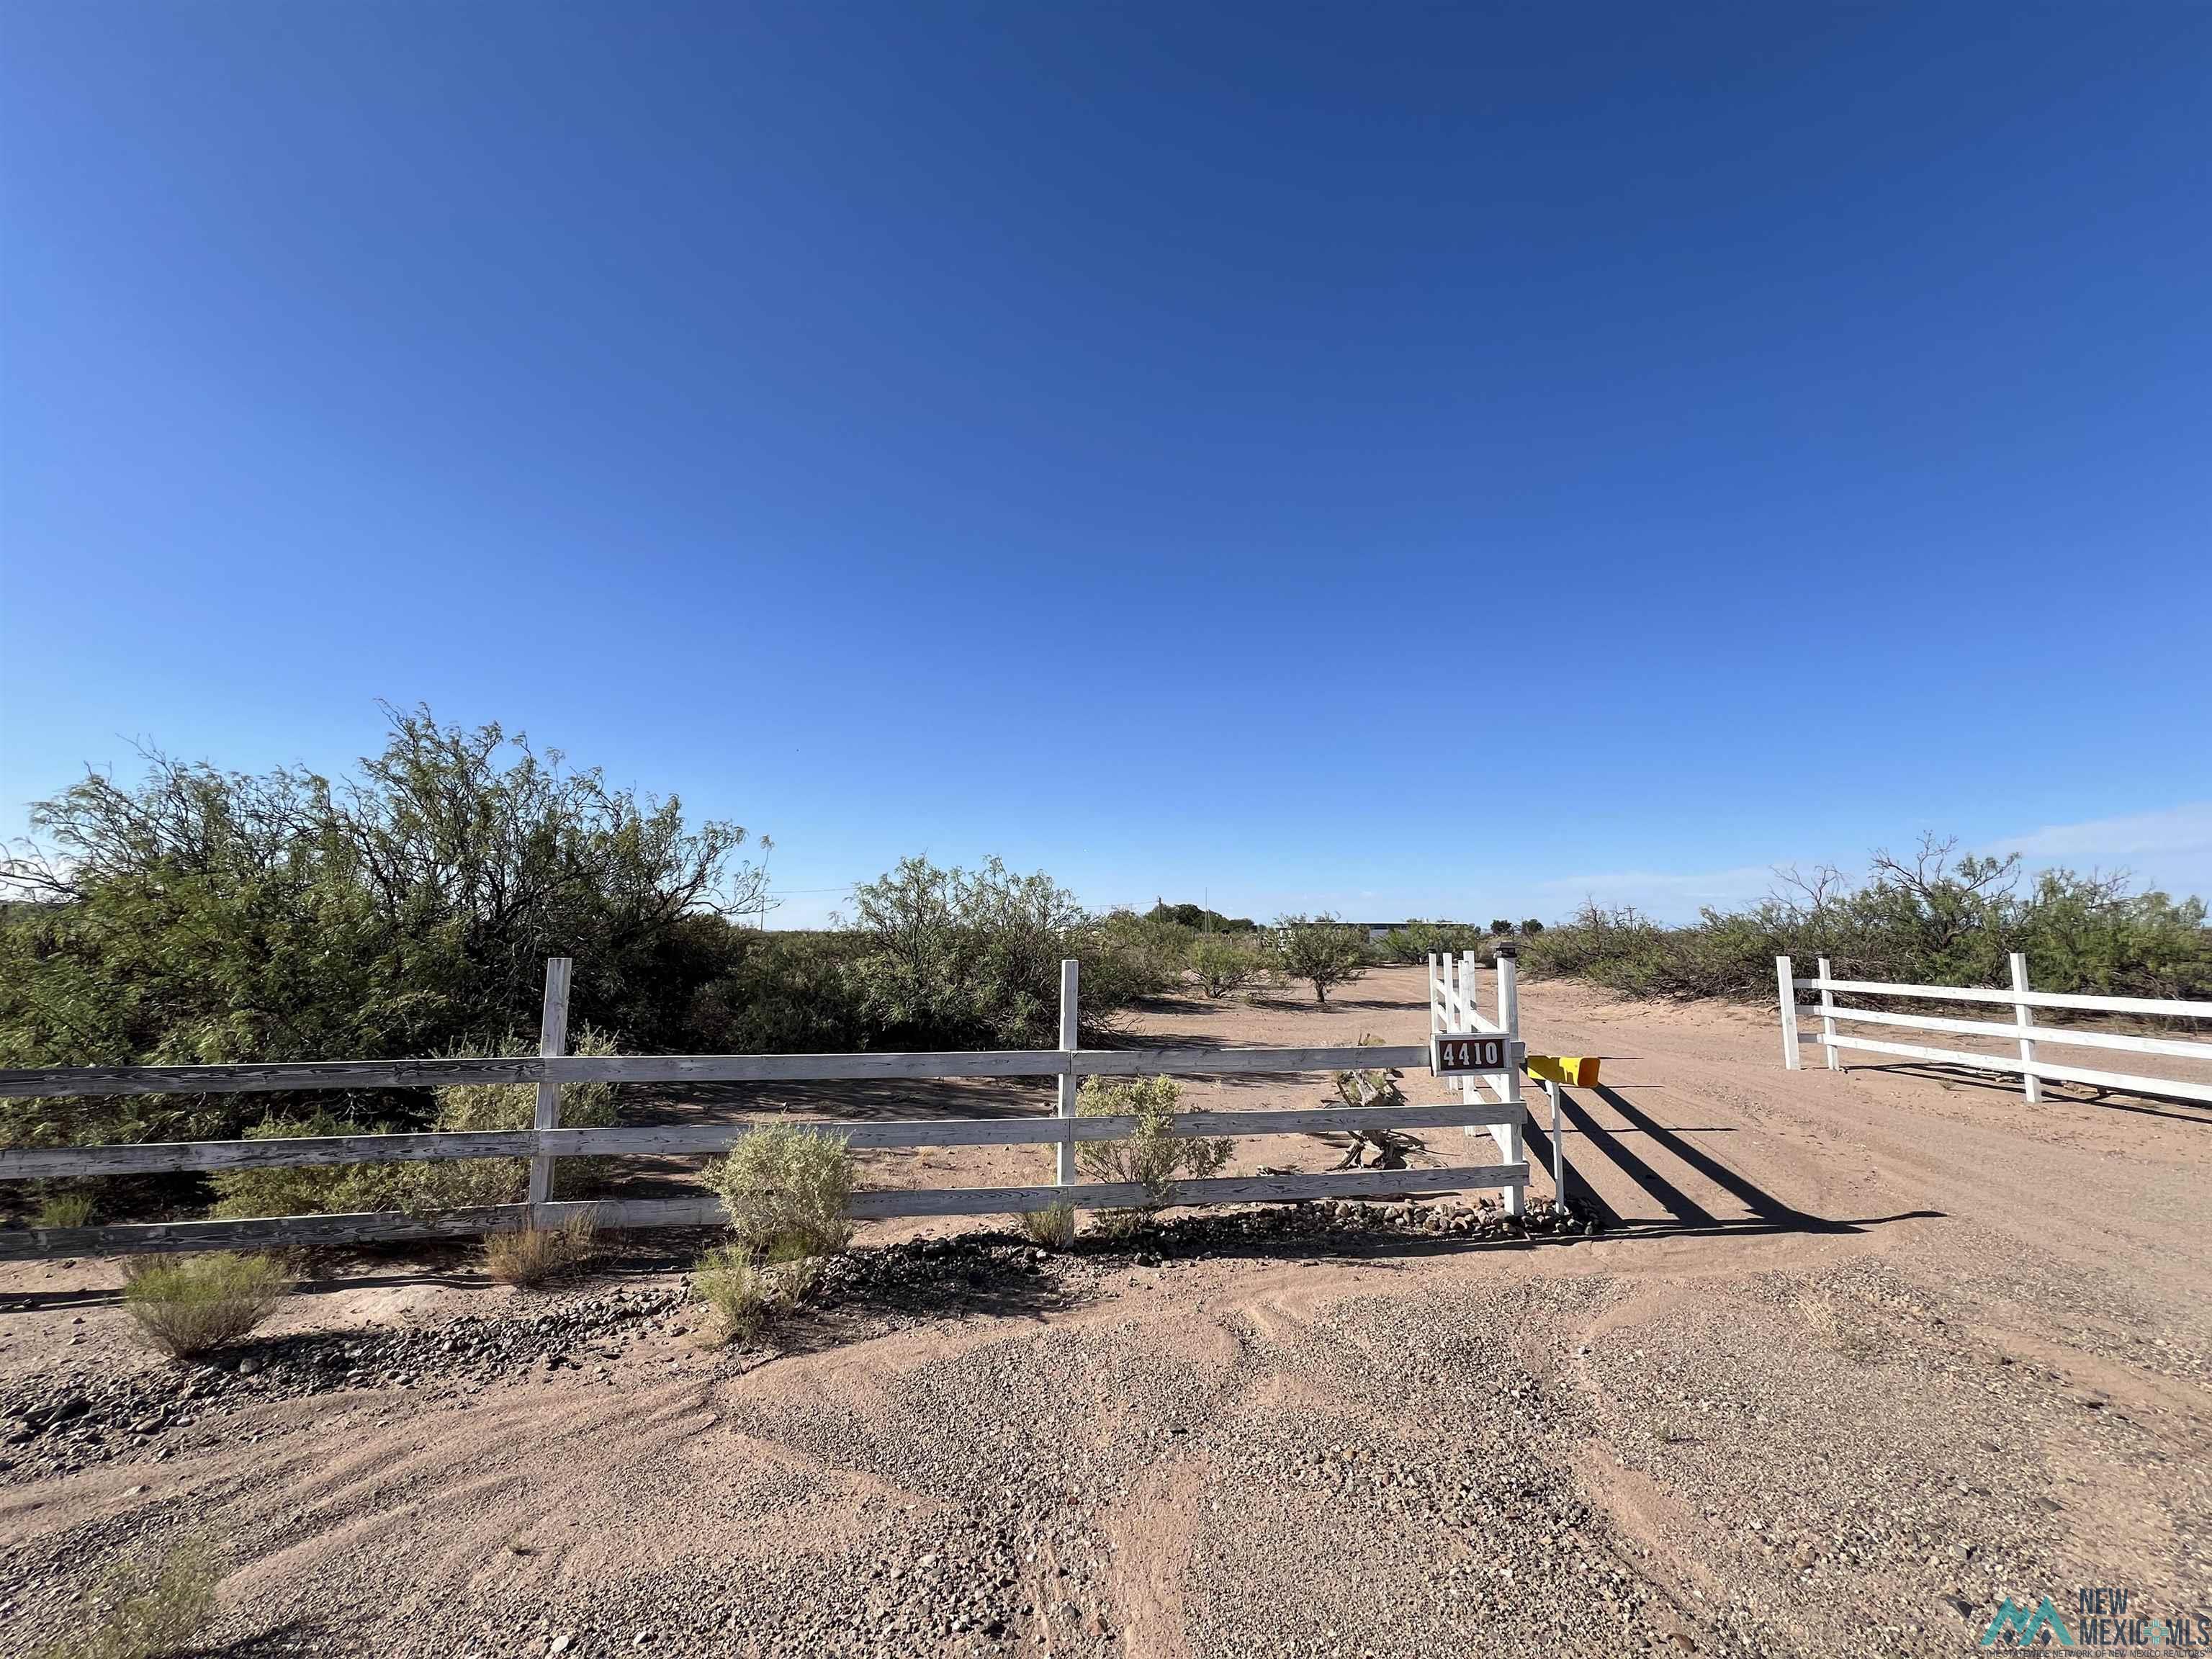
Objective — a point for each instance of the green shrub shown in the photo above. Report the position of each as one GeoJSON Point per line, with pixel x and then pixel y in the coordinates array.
{"type": "Point", "coordinates": [204, 916]}
{"type": "Point", "coordinates": [947, 959]}
{"type": "Point", "coordinates": [1195, 918]}
{"type": "Point", "coordinates": [1155, 1156]}
{"type": "Point", "coordinates": [420, 1187]}
{"type": "Point", "coordinates": [63, 1210]}
{"type": "Point", "coordinates": [154, 1605]}
{"type": "Point", "coordinates": [1227, 963]}
{"type": "Point", "coordinates": [1054, 1226]}
{"type": "Point", "coordinates": [1320, 951]}
{"type": "Point", "coordinates": [783, 993]}
{"type": "Point", "coordinates": [1148, 954]}
{"type": "Point", "coordinates": [787, 1188]}
{"type": "Point", "coordinates": [309, 1189]}
{"type": "Point", "coordinates": [1935, 918]}
{"type": "Point", "coordinates": [187, 1305]}
{"type": "Point", "coordinates": [746, 1290]}
{"type": "Point", "coordinates": [1417, 941]}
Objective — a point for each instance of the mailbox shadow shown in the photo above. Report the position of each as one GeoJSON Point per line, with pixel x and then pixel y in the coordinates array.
{"type": "Point", "coordinates": [1686, 1214]}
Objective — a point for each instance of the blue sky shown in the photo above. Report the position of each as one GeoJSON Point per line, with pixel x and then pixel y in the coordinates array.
{"type": "Point", "coordinates": [1353, 458]}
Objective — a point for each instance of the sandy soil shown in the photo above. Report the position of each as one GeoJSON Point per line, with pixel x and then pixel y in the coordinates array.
{"type": "Point", "coordinates": [1859, 1353]}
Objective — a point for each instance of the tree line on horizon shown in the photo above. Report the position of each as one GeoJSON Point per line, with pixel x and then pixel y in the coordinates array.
{"type": "Point", "coordinates": [200, 916]}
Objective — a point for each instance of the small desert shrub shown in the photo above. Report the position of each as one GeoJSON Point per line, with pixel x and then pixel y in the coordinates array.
{"type": "Point", "coordinates": [1155, 1156]}
{"type": "Point", "coordinates": [63, 1210]}
{"type": "Point", "coordinates": [528, 1256]}
{"type": "Point", "coordinates": [1227, 964]}
{"type": "Point", "coordinates": [186, 1305]}
{"type": "Point", "coordinates": [156, 1605]}
{"type": "Point", "coordinates": [787, 1189]}
{"type": "Point", "coordinates": [1054, 1226]}
{"type": "Point", "coordinates": [1320, 950]}
{"type": "Point", "coordinates": [745, 1289]}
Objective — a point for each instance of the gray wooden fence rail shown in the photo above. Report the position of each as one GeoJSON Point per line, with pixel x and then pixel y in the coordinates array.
{"type": "Point", "coordinates": [543, 1145]}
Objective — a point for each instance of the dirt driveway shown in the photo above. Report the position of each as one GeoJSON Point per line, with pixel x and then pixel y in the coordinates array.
{"type": "Point", "coordinates": [1859, 1355]}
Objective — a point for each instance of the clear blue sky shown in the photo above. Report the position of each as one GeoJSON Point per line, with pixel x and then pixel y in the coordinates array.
{"type": "Point", "coordinates": [1356, 457]}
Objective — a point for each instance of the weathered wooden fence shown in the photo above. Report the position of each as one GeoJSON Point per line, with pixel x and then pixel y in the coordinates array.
{"type": "Point", "coordinates": [545, 1142]}
{"type": "Point", "coordinates": [2021, 1029]}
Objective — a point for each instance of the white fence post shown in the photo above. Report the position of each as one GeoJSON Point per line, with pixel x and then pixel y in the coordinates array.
{"type": "Point", "coordinates": [2024, 1016]}
{"type": "Point", "coordinates": [552, 1039]}
{"type": "Point", "coordinates": [1789, 1013]}
{"type": "Point", "coordinates": [1828, 1017]}
{"type": "Point", "coordinates": [1510, 1143]}
{"type": "Point", "coordinates": [1070, 1027]}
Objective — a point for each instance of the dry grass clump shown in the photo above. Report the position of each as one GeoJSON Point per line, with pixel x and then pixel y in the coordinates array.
{"type": "Point", "coordinates": [1054, 1226]}
{"type": "Point", "coordinates": [787, 1190]}
{"type": "Point", "coordinates": [528, 1256]}
{"type": "Point", "coordinates": [153, 1606]}
{"type": "Point", "coordinates": [63, 1210]}
{"type": "Point", "coordinates": [745, 1292]}
{"type": "Point", "coordinates": [187, 1305]}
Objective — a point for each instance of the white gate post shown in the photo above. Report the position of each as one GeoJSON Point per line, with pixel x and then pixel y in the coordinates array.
{"type": "Point", "coordinates": [1789, 1013]}
{"type": "Point", "coordinates": [1558, 1149]}
{"type": "Point", "coordinates": [1070, 1025]}
{"type": "Point", "coordinates": [1828, 1017]}
{"type": "Point", "coordinates": [552, 1039]}
{"type": "Point", "coordinates": [2024, 1016]}
{"type": "Point", "coordinates": [1463, 1009]}
{"type": "Point", "coordinates": [1509, 1135]}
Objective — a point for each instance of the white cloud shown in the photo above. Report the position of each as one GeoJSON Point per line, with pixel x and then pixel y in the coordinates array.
{"type": "Point", "coordinates": [2148, 842]}
{"type": "Point", "coordinates": [2170, 850]}
{"type": "Point", "coordinates": [1671, 896]}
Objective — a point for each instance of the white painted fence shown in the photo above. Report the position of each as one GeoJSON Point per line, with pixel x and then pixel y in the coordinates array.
{"type": "Point", "coordinates": [2021, 1029]}
{"type": "Point", "coordinates": [545, 1142]}
{"type": "Point", "coordinates": [1454, 1009]}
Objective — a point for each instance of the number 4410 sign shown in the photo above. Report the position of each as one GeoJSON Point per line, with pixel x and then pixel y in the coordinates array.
{"type": "Point", "coordinates": [1472, 1055]}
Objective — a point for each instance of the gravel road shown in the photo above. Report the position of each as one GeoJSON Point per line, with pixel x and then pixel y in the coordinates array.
{"type": "Point", "coordinates": [1859, 1355]}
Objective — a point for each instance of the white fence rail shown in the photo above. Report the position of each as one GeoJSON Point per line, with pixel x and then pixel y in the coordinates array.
{"type": "Point", "coordinates": [2021, 1029]}
{"type": "Point", "coordinates": [543, 1143]}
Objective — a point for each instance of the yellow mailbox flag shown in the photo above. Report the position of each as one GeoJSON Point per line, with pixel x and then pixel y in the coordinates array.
{"type": "Point", "coordinates": [1577, 1071]}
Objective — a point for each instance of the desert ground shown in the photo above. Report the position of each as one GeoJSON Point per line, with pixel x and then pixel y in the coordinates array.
{"type": "Point", "coordinates": [1853, 1356]}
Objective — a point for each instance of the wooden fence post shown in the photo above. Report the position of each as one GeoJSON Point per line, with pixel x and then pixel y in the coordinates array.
{"type": "Point", "coordinates": [552, 1039]}
{"type": "Point", "coordinates": [1828, 1017]}
{"type": "Point", "coordinates": [1070, 1031]}
{"type": "Point", "coordinates": [1510, 1141]}
{"type": "Point", "coordinates": [1789, 1013]}
{"type": "Point", "coordinates": [2024, 1016]}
